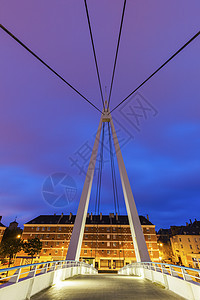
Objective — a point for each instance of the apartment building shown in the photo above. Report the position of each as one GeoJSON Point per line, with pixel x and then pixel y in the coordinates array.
{"type": "Point", "coordinates": [107, 241]}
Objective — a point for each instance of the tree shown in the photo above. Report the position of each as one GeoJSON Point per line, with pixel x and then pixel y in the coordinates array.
{"type": "Point", "coordinates": [32, 247]}
{"type": "Point", "coordinates": [10, 247]}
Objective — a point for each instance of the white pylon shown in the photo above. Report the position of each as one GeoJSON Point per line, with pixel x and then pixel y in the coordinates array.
{"type": "Point", "coordinates": [139, 243]}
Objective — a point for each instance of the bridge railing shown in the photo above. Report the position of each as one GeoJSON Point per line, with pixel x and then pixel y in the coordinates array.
{"type": "Point", "coordinates": [22, 282]}
{"type": "Point", "coordinates": [181, 280]}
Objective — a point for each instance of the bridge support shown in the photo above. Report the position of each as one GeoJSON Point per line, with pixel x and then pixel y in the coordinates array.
{"type": "Point", "coordinates": [140, 247]}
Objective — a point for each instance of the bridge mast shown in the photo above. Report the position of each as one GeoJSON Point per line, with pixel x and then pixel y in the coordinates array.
{"type": "Point", "coordinates": [140, 247]}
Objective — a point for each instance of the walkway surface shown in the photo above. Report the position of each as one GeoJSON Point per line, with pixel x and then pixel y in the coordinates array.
{"type": "Point", "coordinates": [105, 287]}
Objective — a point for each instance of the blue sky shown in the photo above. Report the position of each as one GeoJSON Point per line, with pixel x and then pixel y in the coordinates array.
{"type": "Point", "coordinates": [43, 123]}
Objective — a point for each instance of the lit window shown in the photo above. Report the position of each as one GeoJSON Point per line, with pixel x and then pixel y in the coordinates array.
{"type": "Point", "coordinates": [85, 251]}
{"type": "Point", "coordinates": [108, 236]}
{"type": "Point", "coordinates": [195, 240]}
{"type": "Point", "coordinates": [43, 228]}
{"type": "Point", "coordinates": [38, 228]}
{"type": "Point", "coordinates": [48, 228]}
{"type": "Point", "coordinates": [108, 244]}
{"type": "Point", "coordinates": [108, 229]}
{"type": "Point", "coordinates": [114, 236]}
{"type": "Point", "coordinates": [114, 229]}
{"type": "Point", "coordinates": [114, 244]}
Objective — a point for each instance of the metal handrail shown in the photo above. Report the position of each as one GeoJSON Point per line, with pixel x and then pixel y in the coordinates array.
{"type": "Point", "coordinates": [171, 269]}
{"type": "Point", "coordinates": [46, 267]}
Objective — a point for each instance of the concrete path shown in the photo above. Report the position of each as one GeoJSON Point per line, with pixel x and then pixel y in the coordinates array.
{"type": "Point", "coordinates": [105, 287]}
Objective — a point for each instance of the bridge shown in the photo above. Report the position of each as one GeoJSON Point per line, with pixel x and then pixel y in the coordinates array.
{"type": "Point", "coordinates": [72, 279]}
{"type": "Point", "coordinates": [78, 280]}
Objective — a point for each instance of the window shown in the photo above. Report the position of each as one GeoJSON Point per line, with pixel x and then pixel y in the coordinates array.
{"type": "Point", "coordinates": [195, 240]}
{"type": "Point", "coordinates": [86, 236]}
{"type": "Point", "coordinates": [46, 243]}
{"type": "Point", "coordinates": [148, 229]}
{"type": "Point", "coordinates": [48, 228]}
{"type": "Point", "coordinates": [197, 247]}
{"type": "Point", "coordinates": [58, 236]}
{"type": "Point", "coordinates": [114, 244]}
{"type": "Point", "coordinates": [108, 236]}
{"type": "Point", "coordinates": [180, 239]}
{"type": "Point", "coordinates": [190, 246]}
{"type": "Point", "coordinates": [108, 244]}
{"type": "Point", "coordinates": [114, 229]}
{"type": "Point", "coordinates": [108, 251]}
{"type": "Point", "coordinates": [108, 229]}
{"type": "Point", "coordinates": [38, 228]}
{"type": "Point", "coordinates": [57, 243]}
{"type": "Point", "coordinates": [85, 251]}
{"type": "Point", "coordinates": [149, 237]}
{"type": "Point", "coordinates": [150, 245]}
{"type": "Point", "coordinates": [102, 243]}
{"type": "Point", "coordinates": [36, 235]}
{"type": "Point", "coordinates": [114, 236]}
{"type": "Point", "coordinates": [86, 244]}
{"type": "Point", "coordinates": [59, 228]}
{"type": "Point", "coordinates": [45, 251]}
{"type": "Point", "coordinates": [188, 240]}
{"type": "Point", "coordinates": [56, 251]}
{"type": "Point", "coordinates": [43, 228]}
{"type": "Point", "coordinates": [102, 250]}
{"type": "Point", "coordinates": [181, 246]}
{"type": "Point", "coordinates": [47, 235]}
{"type": "Point", "coordinates": [86, 228]}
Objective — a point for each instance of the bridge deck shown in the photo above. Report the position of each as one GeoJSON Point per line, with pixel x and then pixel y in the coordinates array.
{"type": "Point", "coordinates": [103, 286]}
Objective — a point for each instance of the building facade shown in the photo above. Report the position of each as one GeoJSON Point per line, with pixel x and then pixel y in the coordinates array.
{"type": "Point", "coordinates": [2, 229]}
{"type": "Point", "coordinates": [107, 241]}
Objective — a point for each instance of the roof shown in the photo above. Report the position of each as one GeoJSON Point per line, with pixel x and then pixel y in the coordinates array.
{"type": "Point", "coordinates": [95, 219]}
{"type": "Point", "coordinates": [1, 225]}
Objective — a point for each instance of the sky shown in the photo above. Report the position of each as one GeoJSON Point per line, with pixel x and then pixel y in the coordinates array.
{"type": "Point", "coordinates": [45, 126]}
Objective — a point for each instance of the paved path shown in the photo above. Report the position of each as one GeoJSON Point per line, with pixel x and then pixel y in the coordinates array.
{"type": "Point", "coordinates": [105, 287]}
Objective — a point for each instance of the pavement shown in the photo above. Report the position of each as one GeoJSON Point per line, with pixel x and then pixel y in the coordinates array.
{"type": "Point", "coordinates": [106, 287]}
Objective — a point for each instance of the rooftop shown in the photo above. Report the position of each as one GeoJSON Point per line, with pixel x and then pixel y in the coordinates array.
{"type": "Point", "coordinates": [91, 219]}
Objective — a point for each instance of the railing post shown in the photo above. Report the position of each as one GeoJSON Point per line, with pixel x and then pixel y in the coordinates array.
{"type": "Point", "coordinates": [15, 276]}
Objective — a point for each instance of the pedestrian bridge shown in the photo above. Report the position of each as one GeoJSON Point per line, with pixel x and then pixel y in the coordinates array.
{"type": "Point", "coordinates": [76, 280]}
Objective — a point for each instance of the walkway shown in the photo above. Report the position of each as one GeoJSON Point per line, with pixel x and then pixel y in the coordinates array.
{"type": "Point", "coordinates": [105, 287]}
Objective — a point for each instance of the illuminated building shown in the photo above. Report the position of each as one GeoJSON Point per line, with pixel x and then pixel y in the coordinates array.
{"type": "Point", "coordinates": [2, 229]}
{"type": "Point", "coordinates": [107, 242]}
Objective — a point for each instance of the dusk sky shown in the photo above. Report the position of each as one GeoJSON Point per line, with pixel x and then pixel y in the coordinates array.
{"type": "Point", "coordinates": [43, 123]}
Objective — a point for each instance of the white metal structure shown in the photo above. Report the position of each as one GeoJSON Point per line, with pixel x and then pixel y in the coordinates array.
{"type": "Point", "coordinates": [22, 282]}
{"type": "Point", "coordinates": [79, 225]}
{"type": "Point", "coordinates": [181, 280]}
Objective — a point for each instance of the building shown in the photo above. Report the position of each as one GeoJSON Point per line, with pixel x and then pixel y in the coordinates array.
{"type": "Point", "coordinates": [185, 243]}
{"type": "Point", "coordinates": [164, 245]}
{"type": "Point", "coordinates": [2, 229]}
{"type": "Point", "coordinates": [107, 241]}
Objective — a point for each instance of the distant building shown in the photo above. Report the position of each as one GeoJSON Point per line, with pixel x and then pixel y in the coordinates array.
{"type": "Point", "coordinates": [107, 241]}
{"type": "Point", "coordinates": [2, 229]}
{"type": "Point", "coordinates": [164, 245]}
{"type": "Point", "coordinates": [185, 243]}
